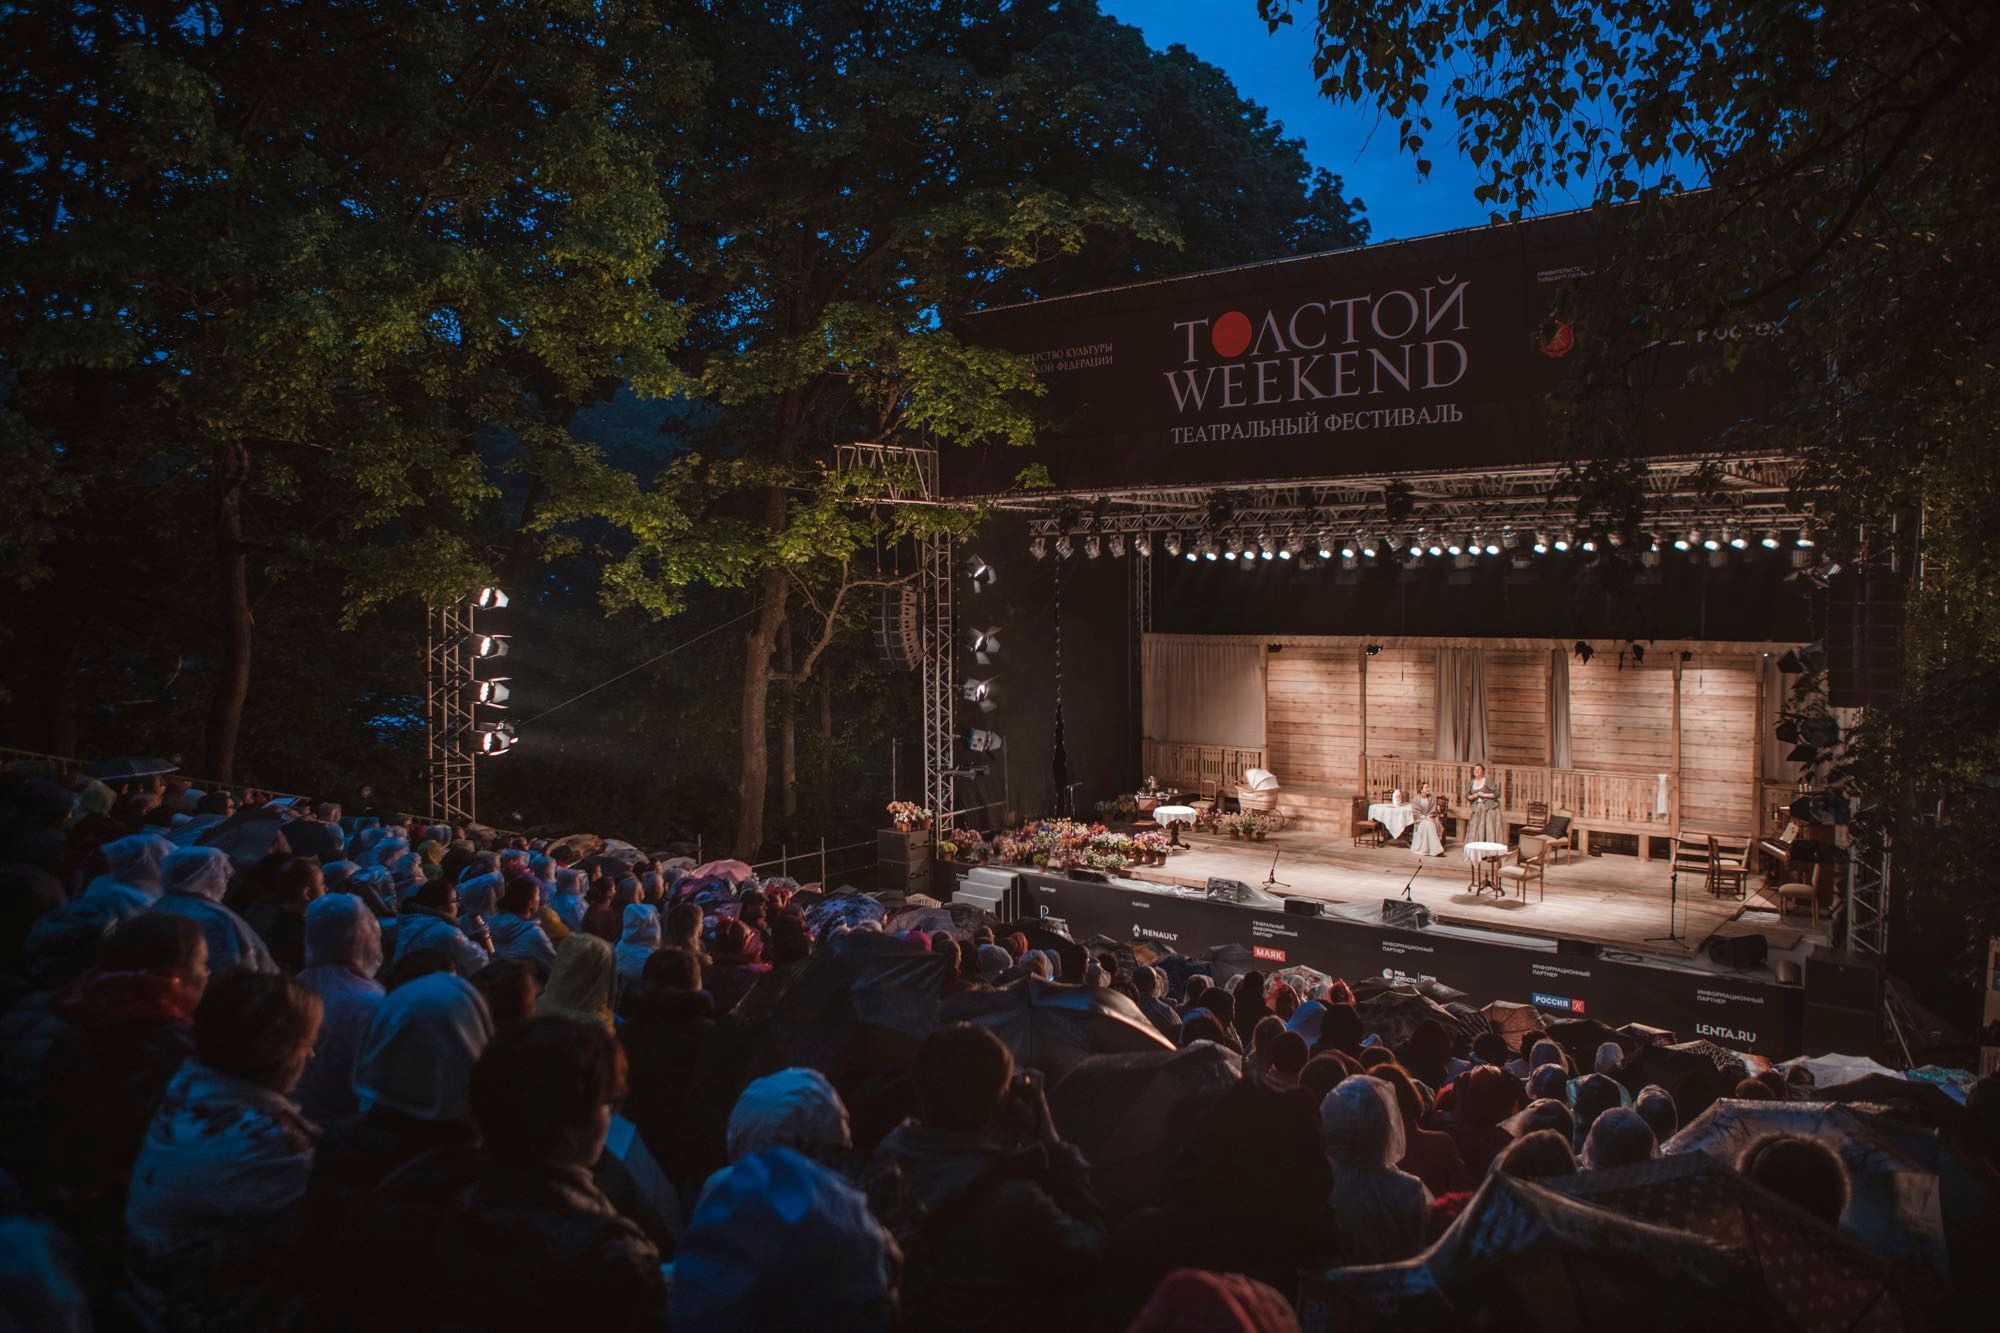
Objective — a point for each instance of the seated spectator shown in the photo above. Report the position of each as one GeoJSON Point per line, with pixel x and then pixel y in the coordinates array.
{"type": "Point", "coordinates": [1428, 1154]}
{"type": "Point", "coordinates": [317, 833]}
{"type": "Point", "coordinates": [1190, 1299]}
{"type": "Point", "coordinates": [510, 987]}
{"type": "Point", "coordinates": [1609, 1056]}
{"type": "Point", "coordinates": [1257, 1055]}
{"type": "Point", "coordinates": [1545, 1113]}
{"type": "Point", "coordinates": [1288, 1059]}
{"type": "Point", "coordinates": [1427, 1054]}
{"type": "Point", "coordinates": [225, 1160]}
{"type": "Point", "coordinates": [1618, 1138]}
{"type": "Point", "coordinates": [1323, 1072]}
{"type": "Point", "coordinates": [1378, 1210]}
{"type": "Point", "coordinates": [1801, 1170]}
{"type": "Point", "coordinates": [738, 964]}
{"type": "Point", "coordinates": [1481, 1099]}
{"type": "Point", "coordinates": [479, 896]}
{"type": "Point", "coordinates": [431, 922]}
{"type": "Point", "coordinates": [1595, 1094]}
{"type": "Point", "coordinates": [1549, 1082]}
{"type": "Point", "coordinates": [1340, 1030]}
{"type": "Point", "coordinates": [516, 924]}
{"type": "Point", "coordinates": [667, 1022]}
{"type": "Point", "coordinates": [793, 1108]}
{"type": "Point", "coordinates": [567, 899]}
{"type": "Point", "coordinates": [583, 985]}
{"type": "Point", "coordinates": [279, 916]}
{"type": "Point", "coordinates": [683, 929]}
{"type": "Point", "coordinates": [1655, 1106]}
{"type": "Point", "coordinates": [193, 880]}
{"type": "Point", "coordinates": [640, 936]}
{"type": "Point", "coordinates": [1146, 983]}
{"type": "Point", "coordinates": [1197, 986]}
{"type": "Point", "coordinates": [1754, 1090]}
{"type": "Point", "coordinates": [343, 944]}
{"type": "Point", "coordinates": [127, 1029]}
{"type": "Point", "coordinates": [779, 1242]}
{"type": "Point", "coordinates": [1541, 1155]}
{"type": "Point", "coordinates": [1250, 1008]}
{"type": "Point", "coordinates": [132, 872]}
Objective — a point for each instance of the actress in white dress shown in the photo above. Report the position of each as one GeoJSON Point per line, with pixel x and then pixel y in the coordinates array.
{"type": "Point", "coordinates": [1427, 832]}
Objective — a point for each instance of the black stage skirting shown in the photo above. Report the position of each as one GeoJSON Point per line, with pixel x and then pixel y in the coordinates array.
{"type": "Point", "coordinates": [1742, 1011]}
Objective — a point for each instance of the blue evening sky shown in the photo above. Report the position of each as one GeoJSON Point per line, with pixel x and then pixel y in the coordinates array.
{"type": "Point", "coordinates": [1353, 142]}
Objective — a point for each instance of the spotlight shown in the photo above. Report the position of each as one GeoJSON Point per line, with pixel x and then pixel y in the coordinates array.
{"type": "Point", "coordinates": [978, 571]}
{"type": "Point", "coordinates": [1805, 538]}
{"type": "Point", "coordinates": [497, 738]}
{"type": "Point", "coordinates": [1681, 543]}
{"type": "Point", "coordinates": [1590, 543]}
{"type": "Point", "coordinates": [983, 742]}
{"type": "Point", "coordinates": [1416, 548]}
{"type": "Point", "coordinates": [984, 643]}
{"type": "Point", "coordinates": [493, 693]}
{"type": "Point", "coordinates": [1492, 548]}
{"type": "Point", "coordinates": [1367, 545]}
{"type": "Point", "coordinates": [1064, 547]}
{"type": "Point", "coordinates": [1142, 543]}
{"type": "Point", "coordinates": [1541, 543]}
{"type": "Point", "coordinates": [1738, 540]}
{"type": "Point", "coordinates": [1434, 548]}
{"type": "Point", "coordinates": [1038, 548]}
{"type": "Point", "coordinates": [487, 645]}
{"type": "Point", "coordinates": [1453, 547]}
{"type": "Point", "coordinates": [1711, 543]}
{"type": "Point", "coordinates": [1561, 543]}
{"type": "Point", "coordinates": [1192, 557]}
{"type": "Point", "coordinates": [1266, 552]}
{"type": "Point", "coordinates": [1173, 543]}
{"type": "Point", "coordinates": [1293, 545]}
{"type": "Point", "coordinates": [1324, 545]}
{"type": "Point", "coordinates": [1347, 551]}
{"type": "Point", "coordinates": [1232, 546]}
{"type": "Point", "coordinates": [1207, 547]}
{"type": "Point", "coordinates": [978, 691]}
{"type": "Point", "coordinates": [1769, 541]}
{"type": "Point", "coordinates": [1116, 541]}
{"type": "Point", "coordinates": [491, 599]}
{"type": "Point", "coordinates": [1092, 546]}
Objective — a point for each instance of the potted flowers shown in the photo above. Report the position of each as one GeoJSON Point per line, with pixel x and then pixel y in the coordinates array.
{"type": "Point", "coordinates": [908, 815]}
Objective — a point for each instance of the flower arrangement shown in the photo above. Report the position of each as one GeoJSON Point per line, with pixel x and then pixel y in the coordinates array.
{"type": "Point", "coordinates": [909, 815]}
{"type": "Point", "coordinates": [962, 842]}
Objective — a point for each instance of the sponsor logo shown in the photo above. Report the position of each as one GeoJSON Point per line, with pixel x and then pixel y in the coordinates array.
{"type": "Point", "coordinates": [1725, 1034]}
{"type": "Point", "coordinates": [1271, 930]}
{"type": "Point", "coordinates": [1393, 974]}
{"type": "Point", "coordinates": [1543, 1000]}
{"type": "Point", "coordinates": [1140, 932]}
{"type": "Point", "coordinates": [1267, 953]}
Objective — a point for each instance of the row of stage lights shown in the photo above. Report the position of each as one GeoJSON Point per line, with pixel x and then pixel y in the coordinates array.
{"type": "Point", "coordinates": [498, 736]}
{"type": "Point", "coordinates": [1416, 547]}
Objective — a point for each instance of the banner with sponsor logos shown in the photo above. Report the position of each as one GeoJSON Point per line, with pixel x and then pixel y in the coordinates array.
{"type": "Point", "coordinates": [1429, 354]}
{"type": "Point", "coordinates": [1739, 1011]}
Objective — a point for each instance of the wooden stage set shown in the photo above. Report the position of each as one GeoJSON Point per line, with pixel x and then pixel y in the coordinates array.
{"type": "Point", "coordinates": [1613, 900]}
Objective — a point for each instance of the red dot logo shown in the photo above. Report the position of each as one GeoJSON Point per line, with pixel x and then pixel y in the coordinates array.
{"type": "Point", "coordinates": [1230, 335]}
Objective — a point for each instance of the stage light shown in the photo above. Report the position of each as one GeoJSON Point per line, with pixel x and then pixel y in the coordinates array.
{"type": "Point", "coordinates": [487, 645]}
{"type": "Point", "coordinates": [1064, 547]}
{"type": "Point", "coordinates": [983, 742]}
{"type": "Point", "coordinates": [977, 691]}
{"type": "Point", "coordinates": [1416, 548]}
{"type": "Point", "coordinates": [1805, 538]}
{"type": "Point", "coordinates": [1117, 543]}
{"type": "Point", "coordinates": [1347, 551]}
{"type": "Point", "coordinates": [1681, 543]}
{"type": "Point", "coordinates": [1541, 544]}
{"type": "Point", "coordinates": [1265, 553]}
{"type": "Point", "coordinates": [984, 643]}
{"type": "Point", "coordinates": [1206, 546]}
{"type": "Point", "coordinates": [1561, 543]}
{"type": "Point", "coordinates": [1434, 549]}
{"type": "Point", "coordinates": [1769, 541]}
{"type": "Point", "coordinates": [1192, 557]}
{"type": "Point", "coordinates": [1710, 543]}
{"type": "Point", "coordinates": [496, 738]}
{"type": "Point", "coordinates": [1492, 548]}
{"type": "Point", "coordinates": [1232, 546]}
{"type": "Point", "coordinates": [1738, 540]}
{"type": "Point", "coordinates": [1367, 545]}
{"type": "Point", "coordinates": [1294, 544]}
{"type": "Point", "coordinates": [1173, 543]}
{"type": "Point", "coordinates": [1093, 547]}
{"type": "Point", "coordinates": [491, 599]}
{"type": "Point", "coordinates": [1142, 543]}
{"type": "Point", "coordinates": [1452, 547]}
{"type": "Point", "coordinates": [493, 693]}
{"type": "Point", "coordinates": [1038, 548]}
{"type": "Point", "coordinates": [978, 571]}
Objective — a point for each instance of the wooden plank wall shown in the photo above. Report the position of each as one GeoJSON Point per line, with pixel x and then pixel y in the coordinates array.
{"type": "Point", "coordinates": [1402, 709]}
{"type": "Point", "coordinates": [1517, 706]}
{"type": "Point", "coordinates": [1621, 719]}
{"type": "Point", "coordinates": [1312, 728]}
{"type": "Point", "coordinates": [1719, 745]}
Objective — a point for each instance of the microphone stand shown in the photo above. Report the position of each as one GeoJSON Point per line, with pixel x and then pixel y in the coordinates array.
{"type": "Point", "coordinates": [1272, 878]}
{"type": "Point", "coordinates": [1412, 880]}
{"type": "Point", "coordinates": [1673, 934]}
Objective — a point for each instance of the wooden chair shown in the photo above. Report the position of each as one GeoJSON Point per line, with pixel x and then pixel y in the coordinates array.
{"type": "Point", "coordinates": [1365, 831]}
{"type": "Point", "coordinates": [1538, 818]}
{"type": "Point", "coordinates": [1728, 866]}
{"type": "Point", "coordinates": [1692, 856]}
{"type": "Point", "coordinates": [1527, 867]}
{"type": "Point", "coordinates": [1797, 893]}
{"type": "Point", "coordinates": [1559, 834]}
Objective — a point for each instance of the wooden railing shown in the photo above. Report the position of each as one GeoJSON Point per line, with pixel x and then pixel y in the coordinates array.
{"type": "Point", "coordinates": [1596, 798]}
{"type": "Point", "coordinates": [1185, 767]}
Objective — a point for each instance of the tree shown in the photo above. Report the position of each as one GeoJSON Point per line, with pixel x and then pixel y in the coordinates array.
{"type": "Point", "coordinates": [289, 261]}
{"type": "Point", "coordinates": [878, 170]}
{"type": "Point", "coordinates": [1848, 153]}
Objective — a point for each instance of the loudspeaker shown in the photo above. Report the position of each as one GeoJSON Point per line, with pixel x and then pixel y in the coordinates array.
{"type": "Point", "coordinates": [897, 622]}
{"type": "Point", "coordinates": [1576, 949]}
{"type": "Point", "coordinates": [1405, 916]}
{"type": "Point", "coordinates": [1738, 951]}
{"type": "Point", "coordinates": [1835, 980]}
{"type": "Point", "coordinates": [1830, 1028]}
{"type": "Point", "coordinates": [1305, 907]}
{"type": "Point", "coordinates": [1864, 639]}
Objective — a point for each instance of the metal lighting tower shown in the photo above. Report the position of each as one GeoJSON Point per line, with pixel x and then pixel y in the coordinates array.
{"type": "Point", "coordinates": [450, 687]}
{"type": "Point", "coordinates": [934, 575]}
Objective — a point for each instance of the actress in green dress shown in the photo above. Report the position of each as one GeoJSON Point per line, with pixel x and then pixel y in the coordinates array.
{"type": "Point", "coordinates": [1482, 803]}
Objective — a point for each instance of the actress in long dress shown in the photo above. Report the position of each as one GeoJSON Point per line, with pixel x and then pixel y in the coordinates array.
{"type": "Point", "coordinates": [1482, 804]}
{"type": "Point", "coordinates": [1426, 837]}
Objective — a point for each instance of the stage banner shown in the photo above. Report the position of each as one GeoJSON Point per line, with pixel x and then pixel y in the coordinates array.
{"type": "Point", "coordinates": [1739, 1011]}
{"type": "Point", "coordinates": [1429, 354]}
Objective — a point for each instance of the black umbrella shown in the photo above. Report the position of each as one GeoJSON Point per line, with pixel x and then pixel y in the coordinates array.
{"type": "Point", "coordinates": [1511, 1020]}
{"type": "Point", "coordinates": [1902, 1098]}
{"type": "Point", "coordinates": [1131, 1114]}
{"type": "Point", "coordinates": [1393, 1015]}
{"type": "Point", "coordinates": [853, 987]}
{"type": "Point", "coordinates": [1581, 1037]}
{"type": "Point", "coordinates": [248, 835]}
{"type": "Point", "coordinates": [125, 768]}
{"type": "Point", "coordinates": [957, 920]}
{"type": "Point", "coordinates": [1051, 1027]}
{"type": "Point", "coordinates": [1043, 935]}
{"type": "Point", "coordinates": [1692, 1080]}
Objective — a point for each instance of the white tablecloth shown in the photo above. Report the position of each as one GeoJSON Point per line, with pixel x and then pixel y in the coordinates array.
{"type": "Point", "coordinates": [1394, 818]}
{"type": "Point", "coordinates": [1164, 815]}
{"type": "Point", "coordinates": [1479, 851]}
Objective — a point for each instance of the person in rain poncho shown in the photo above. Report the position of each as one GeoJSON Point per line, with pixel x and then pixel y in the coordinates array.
{"type": "Point", "coordinates": [1619, 1137]}
{"type": "Point", "coordinates": [641, 936]}
{"type": "Point", "coordinates": [582, 984]}
{"type": "Point", "coordinates": [1378, 1211]}
{"type": "Point", "coordinates": [793, 1108]}
{"type": "Point", "coordinates": [193, 880]}
{"type": "Point", "coordinates": [516, 927]}
{"type": "Point", "coordinates": [64, 942]}
{"type": "Point", "coordinates": [343, 954]}
{"type": "Point", "coordinates": [132, 871]}
{"type": "Point", "coordinates": [432, 923]}
{"type": "Point", "coordinates": [564, 894]}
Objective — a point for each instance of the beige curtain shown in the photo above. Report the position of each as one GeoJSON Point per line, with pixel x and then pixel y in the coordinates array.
{"type": "Point", "coordinates": [1461, 704]}
{"type": "Point", "coordinates": [1559, 753]}
{"type": "Point", "coordinates": [1204, 691]}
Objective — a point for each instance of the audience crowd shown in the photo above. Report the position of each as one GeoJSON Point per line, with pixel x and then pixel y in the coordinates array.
{"type": "Point", "coordinates": [369, 1073]}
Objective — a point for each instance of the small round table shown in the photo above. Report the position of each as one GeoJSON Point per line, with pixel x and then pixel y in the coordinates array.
{"type": "Point", "coordinates": [1170, 818]}
{"type": "Point", "coordinates": [1481, 855]}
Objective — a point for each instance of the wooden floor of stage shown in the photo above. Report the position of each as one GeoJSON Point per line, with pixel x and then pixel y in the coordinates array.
{"type": "Point", "coordinates": [1606, 899]}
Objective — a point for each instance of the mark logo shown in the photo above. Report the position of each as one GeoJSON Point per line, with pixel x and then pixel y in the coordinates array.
{"type": "Point", "coordinates": [1267, 954]}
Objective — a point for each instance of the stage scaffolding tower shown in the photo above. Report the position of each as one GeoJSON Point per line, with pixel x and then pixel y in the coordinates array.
{"type": "Point", "coordinates": [450, 686]}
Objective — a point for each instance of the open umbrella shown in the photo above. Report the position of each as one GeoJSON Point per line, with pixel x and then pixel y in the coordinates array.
{"type": "Point", "coordinates": [1051, 1027]}
{"type": "Point", "coordinates": [1691, 1080]}
{"type": "Point", "coordinates": [576, 846]}
{"type": "Point", "coordinates": [1393, 1015]}
{"type": "Point", "coordinates": [1309, 982]}
{"type": "Point", "coordinates": [733, 871]}
{"type": "Point", "coordinates": [1830, 1070]}
{"type": "Point", "coordinates": [1513, 1021]}
{"type": "Point", "coordinates": [832, 1012]}
{"type": "Point", "coordinates": [1822, 1278]}
{"type": "Point", "coordinates": [247, 835]}
{"type": "Point", "coordinates": [1906, 1099]}
{"type": "Point", "coordinates": [1893, 1204]}
{"type": "Point", "coordinates": [1581, 1037]}
{"type": "Point", "coordinates": [624, 853]}
{"type": "Point", "coordinates": [1131, 1114]}
{"type": "Point", "coordinates": [957, 920]}
{"type": "Point", "coordinates": [1523, 1256]}
{"type": "Point", "coordinates": [125, 768]}
{"type": "Point", "coordinates": [843, 909]}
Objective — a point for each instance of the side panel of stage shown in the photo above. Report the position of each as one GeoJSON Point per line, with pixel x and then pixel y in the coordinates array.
{"type": "Point", "coordinates": [1741, 1012]}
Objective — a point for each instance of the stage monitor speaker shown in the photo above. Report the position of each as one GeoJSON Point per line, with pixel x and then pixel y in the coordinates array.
{"type": "Point", "coordinates": [1738, 951]}
{"type": "Point", "coordinates": [1405, 916]}
{"type": "Point", "coordinates": [1305, 907]}
{"type": "Point", "coordinates": [1576, 949]}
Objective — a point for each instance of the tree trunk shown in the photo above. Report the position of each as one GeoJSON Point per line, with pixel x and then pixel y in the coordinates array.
{"type": "Point", "coordinates": [755, 774]}
{"type": "Point", "coordinates": [788, 739]}
{"type": "Point", "coordinates": [826, 735]}
{"type": "Point", "coordinates": [232, 568]}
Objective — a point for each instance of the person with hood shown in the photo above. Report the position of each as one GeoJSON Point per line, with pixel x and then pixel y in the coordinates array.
{"type": "Point", "coordinates": [479, 896]}
{"type": "Point", "coordinates": [566, 899]}
{"type": "Point", "coordinates": [1655, 1106]}
{"type": "Point", "coordinates": [1481, 1099]}
{"type": "Point", "coordinates": [793, 1108]}
{"type": "Point", "coordinates": [1595, 1094]}
{"type": "Point", "coordinates": [225, 1159]}
{"type": "Point", "coordinates": [132, 872]}
{"type": "Point", "coordinates": [739, 963]}
{"type": "Point", "coordinates": [431, 922]}
{"type": "Point", "coordinates": [128, 1028]}
{"type": "Point", "coordinates": [780, 1242]}
{"type": "Point", "coordinates": [412, 1076]}
{"type": "Point", "coordinates": [1378, 1211]}
{"type": "Point", "coordinates": [1146, 982]}
{"type": "Point", "coordinates": [583, 984]}
{"type": "Point", "coordinates": [1428, 1154]}
{"type": "Point", "coordinates": [1619, 1137]}
{"type": "Point", "coordinates": [640, 937]}
{"type": "Point", "coordinates": [193, 880]}
{"type": "Point", "coordinates": [516, 928]}
{"type": "Point", "coordinates": [343, 954]}
{"type": "Point", "coordinates": [65, 941]}
{"type": "Point", "coordinates": [1250, 1007]}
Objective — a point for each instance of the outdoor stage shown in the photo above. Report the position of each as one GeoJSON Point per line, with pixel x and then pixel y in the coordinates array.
{"type": "Point", "coordinates": [1612, 900]}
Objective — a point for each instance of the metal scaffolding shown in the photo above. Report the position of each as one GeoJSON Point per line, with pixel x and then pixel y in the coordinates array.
{"type": "Point", "coordinates": [1868, 902]}
{"type": "Point", "coordinates": [940, 677]}
{"type": "Point", "coordinates": [450, 686]}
